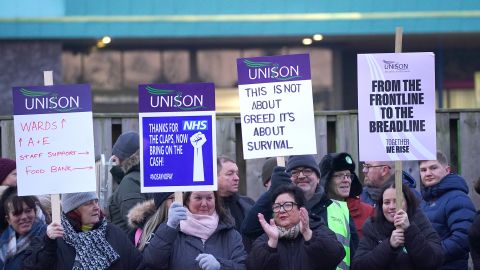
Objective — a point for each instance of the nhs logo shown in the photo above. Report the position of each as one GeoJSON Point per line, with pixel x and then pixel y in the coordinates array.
{"type": "Point", "coordinates": [195, 125]}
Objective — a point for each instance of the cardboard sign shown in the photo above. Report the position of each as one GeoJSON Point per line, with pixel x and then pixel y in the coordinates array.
{"type": "Point", "coordinates": [54, 139]}
{"type": "Point", "coordinates": [178, 145]}
{"type": "Point", "coordinates": [276, 106]}
{"type": "Point", "coordinates": [396, 106]}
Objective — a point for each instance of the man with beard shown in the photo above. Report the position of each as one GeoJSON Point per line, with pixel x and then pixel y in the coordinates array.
{"type": "Point", "coordinates": [377, 174]}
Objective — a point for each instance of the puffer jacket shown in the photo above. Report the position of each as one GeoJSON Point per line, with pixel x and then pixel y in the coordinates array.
{"type": "Point", "coordinates": [322, 251]}
{"type": "Point", "coordinates": [127, 194]}
{"type": "Point", "coordinates": [422, 246]}
{"type": "Point", "coordinates": [451, 213]}
{"type": "Point", "coordinates": [173, 249]}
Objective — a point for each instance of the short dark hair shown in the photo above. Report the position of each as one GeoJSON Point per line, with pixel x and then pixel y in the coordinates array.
{"type": "Point", "coordinates": [296, 192]}
{"type": "Point", "coordinates": [222, 159]}
{"type": "Point", "coordinates": [14, 203]}
{"type": "Point", "coordinates": [441, 158]}
{"type": "Point", "coordinates": [222, 213]}
{"type": "Point", "coordinates": [409, 197]}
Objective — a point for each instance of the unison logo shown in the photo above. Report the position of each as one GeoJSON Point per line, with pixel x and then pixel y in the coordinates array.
{"type": "Point", "coordinates": [41, 100]}
{"type": "Point", "coordinates": [394, 66]}
{"type": "Point", "coordinates": [270, 70]}
{"type": "Point", "coordinates": [166, 98]}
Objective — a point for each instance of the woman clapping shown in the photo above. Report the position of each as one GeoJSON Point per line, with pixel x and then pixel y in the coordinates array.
{"type": "Point", "coordinates": [289, 242]}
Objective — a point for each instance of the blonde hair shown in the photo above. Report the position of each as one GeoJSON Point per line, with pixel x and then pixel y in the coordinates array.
{"type": "Point", "coordinates": [152, 224]}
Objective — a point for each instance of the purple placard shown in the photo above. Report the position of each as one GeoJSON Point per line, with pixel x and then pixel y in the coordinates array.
{"type": "Point", "coordinates": [163, 164]}
{"type": "Point", "coordinates": [51, 99]}
{"type": "Point", "coordinates": [268, 69]}
{"type": "Point", "coordinates": [176, 97]}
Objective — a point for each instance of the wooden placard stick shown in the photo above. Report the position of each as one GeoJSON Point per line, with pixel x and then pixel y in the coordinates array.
{"type": "Point", "coordinates": [398, 163]}
{"type": "Point", "coordinates": [179, 197]}
{"type": "Point", "coordinates": [281, 161]}
{"type": "Point", "coordinates": [54, 198]}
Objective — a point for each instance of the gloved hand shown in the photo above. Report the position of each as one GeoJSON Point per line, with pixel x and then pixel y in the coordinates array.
{"type": "Point", "coordinates": [207, 262]}
{"type": "Point", "coordinates": [176, 212]}
{"type": "Point", "coordinates": [279, 178]}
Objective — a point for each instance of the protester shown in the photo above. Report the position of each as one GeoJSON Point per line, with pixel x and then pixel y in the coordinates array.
{"type": "Point", "coordinates": [398, 238]}
{"type": "Point", "coordinates": [200, 235]}
{"type": "Point", "coordinates": [342, 185]}
{"type": "Point", "coordinates": [125, 146]}
{"type": "Point", "coordinates": [289, 241]}
{"type": "Point", "coordinates": [377, 174]}
{"type": "Point", "coordinates": [23, 226]}
{"type": "Point", "coordinates": [305, 174]}
{"type": "Point", "coordinates": [8, 174]}
{"type": "Point", "coordinates": [267, 169]}
{"type": "Point", "coordinates": [145, 217]}
{"type": "Point", "coordinates": [449, 209]}
{"type": "Point", "coordinates": [83, 240]}
{"type": "Point", "coordinates": [128, 193]}
{"type": "Point", "coordinates": [228, 183]}
{"type": "Point", "coordinates": [474, 235]}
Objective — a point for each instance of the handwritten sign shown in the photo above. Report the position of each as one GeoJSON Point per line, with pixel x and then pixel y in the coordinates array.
{"type": "Point", "coordinates": [54, 139]}
{"type": "Point", "coordinates": [178, 145]}
{"type": "Point", "coordinates": [396, 106]}
{"type": "Point", "coordinates": [276, 106]}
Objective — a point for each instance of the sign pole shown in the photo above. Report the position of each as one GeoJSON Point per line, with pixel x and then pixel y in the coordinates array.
{"type": "Point", "coordinates": [398, 163]}
{"type": "Point", "coordinates": [281, 161]}
{"type": "Point", "coordinates": [55, 198]}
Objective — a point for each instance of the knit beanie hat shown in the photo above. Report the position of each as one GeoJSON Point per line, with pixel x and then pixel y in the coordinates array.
{"type": "Point", "coordinates": [126, 144]}
{"type": "Point", "coordinates": [71, 201]}
{"type": "Point", "coordinates": [335, 162]}
{"type": "Point", "coordinates": [267, 169]}
{"type": "Point", "coordinates": [160, 197]}
{"type": "Point", "coordinates": [6, 167]}
{"type": "Point", "coordinates": [303, 161]}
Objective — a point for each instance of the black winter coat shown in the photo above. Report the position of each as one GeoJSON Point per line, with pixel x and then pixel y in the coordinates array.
{"type": "Point", "coordinates": [48, 254]}
{"type": "Point", "coordinates": [422, 250]}
{"type": "Point", "coordinates": [474, 238]}
{"type": "Point", "coordinates": [127, 194]}
{"type": "Point", "coordinates": [323, 251]}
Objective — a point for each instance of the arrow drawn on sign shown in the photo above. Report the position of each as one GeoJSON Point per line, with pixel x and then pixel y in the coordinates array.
{"type": "Point", "coordinates": [83, 168]}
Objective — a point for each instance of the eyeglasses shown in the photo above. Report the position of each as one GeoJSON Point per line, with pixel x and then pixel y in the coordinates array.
{"type": "Point", "coordinates": [287, 206]}
{"type": "Point", "coordinates": [342, 175]}
{"type": "Point", "coordinates": [366, 167]}
{"type": "Point", "coordinates": [305, 171]}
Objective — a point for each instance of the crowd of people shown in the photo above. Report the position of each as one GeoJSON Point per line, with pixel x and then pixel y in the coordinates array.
{"type": "Point", "coordinates": [312, 215]}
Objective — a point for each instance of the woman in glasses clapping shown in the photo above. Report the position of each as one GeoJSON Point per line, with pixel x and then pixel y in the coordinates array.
{"type": "Point", "coordinates": [289, 242]}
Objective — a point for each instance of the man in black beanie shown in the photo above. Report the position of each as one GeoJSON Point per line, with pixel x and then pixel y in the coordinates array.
{"type": "Point", "coordinates": [125, 146]}
{"type": "Point", "coordinates": [302, 171]}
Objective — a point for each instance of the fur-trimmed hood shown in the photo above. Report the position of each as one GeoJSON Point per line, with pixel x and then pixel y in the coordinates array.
{"type": "Point", "coordinates": [140, 213]}
{"type": "Point", "coordinates": [132, 163]}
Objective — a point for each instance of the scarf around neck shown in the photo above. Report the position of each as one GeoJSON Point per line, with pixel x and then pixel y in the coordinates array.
{"type": "Point", "coordinates": [11, 245]}
{"type": "Point", "coordinates": [374, 193]}
{"type": "Point", "coordinates": [290, 233]}
{"type": "Point", "coordinates": [91, 248]}
{"type": "Point", "coordinates": [201, 226]}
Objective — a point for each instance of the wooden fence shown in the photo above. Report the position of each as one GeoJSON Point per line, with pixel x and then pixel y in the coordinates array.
{"type": "Point", "coordinates": [457, 135]}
